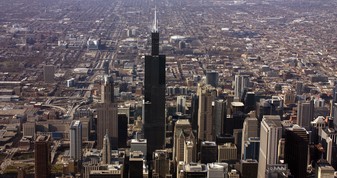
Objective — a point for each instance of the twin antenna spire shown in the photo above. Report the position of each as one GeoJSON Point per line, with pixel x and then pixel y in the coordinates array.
{"type": "Point", "coordinates": [155, 22]}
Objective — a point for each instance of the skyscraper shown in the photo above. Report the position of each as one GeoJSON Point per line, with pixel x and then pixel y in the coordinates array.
{"type": "Point", "coordinates": [250, 129]}
{"type": "Point", "coordinates": [305, 113]}
{"type": "Point", "coordinates": [181, 104]}
{"type": "Point", "coordinates": [107, 115]}
{"type": "Point", "coordinates": [76, 140]}
{"type": "Point", "coordinates": [122, 130]}
{"type": "Point", "coordinates": [42, 157]}
{"type": "Point", "coordinates": [182, 133]}
{"type": "Point", "coordinates": [154, 99]}
{"type": "Point", "coordinates": [219, 116]}
{"type": "Point", "coordinates": [205, 113]}
{"type": "Point", "coordinates": [296, 150]}
{"type": "Point", "coordinates": [212, 78]}
{"type": "Point", "coordinates": [161, 163]}
{"type": "Point", "coordinates": [241, 82]}
{"type": "Point", "coordinates": [270, 133]}
{"type": "Point", "coordinates": [208, 152]}
{"type": "Point", "coordinates": [106, 150]}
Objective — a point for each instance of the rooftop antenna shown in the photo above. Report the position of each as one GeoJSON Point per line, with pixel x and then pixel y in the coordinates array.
{"type": "Point", "coordinates": [155, 21]}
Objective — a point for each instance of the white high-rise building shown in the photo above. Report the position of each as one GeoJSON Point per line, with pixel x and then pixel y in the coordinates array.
{"type": "Point", "coordinates": [270, 134]}
{"type": "Point", "coordinates": [76, 140]}
{"type": "Point", "coordinates": [250, 129]}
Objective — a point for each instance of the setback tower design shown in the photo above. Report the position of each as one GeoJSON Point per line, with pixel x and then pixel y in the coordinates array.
{"type": "Point", "coordinates": [154, 95]}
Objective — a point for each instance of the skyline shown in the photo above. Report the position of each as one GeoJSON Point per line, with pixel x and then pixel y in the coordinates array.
{"type": "Point", "coordinates": [168, 89]}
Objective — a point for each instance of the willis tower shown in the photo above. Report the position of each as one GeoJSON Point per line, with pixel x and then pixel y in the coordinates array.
{"type": "Point", "coordinates": [154, 101]}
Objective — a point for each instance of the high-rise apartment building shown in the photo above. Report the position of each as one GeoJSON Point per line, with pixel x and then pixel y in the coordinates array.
{"type": "Point", "coordinates": [107, 115]}
{"type": "Point", "coordinates": [154, 96]}
{"type": "Point", "coordinates": [76, 140]}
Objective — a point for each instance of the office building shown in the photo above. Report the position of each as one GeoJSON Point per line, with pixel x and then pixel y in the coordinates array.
{"type": "Point", "coordinates": [251, 148]}
{"type": "Point", "coordinates": [296, 150]}
{"type": "Point", "coordinates": [205, 113]}
{"type": "Point", "coordinates": [212, 78]}
{"type": "Point", "coordinates": [107, 115]}
{"type": "Point", "coordinates": [208, 152]}
{"type": "Point", "coordinates": [182, 133]}
{"type": "Point", "coordinates": [190, 152]}
{"type": "Point", "coordinates": [277, 171]}
{"type": "Point", "coordinates": [324, 169]}
{"type": "Point", "coordinates": [270, 134]}
{"type": "Point", "coordinates": [334, 113]}
{"type": "Point", "coordinates": [29, 129]}
{"type": "Point", "coordinates": [122, 130]}
{"type": "Point", "coordinates": [316, 128]}
{"type": "Point", "coordinates": [86, 127]}
{"type": "Point", "coordinates": [106, 150]}
{"type": "Point", "coordinates": [227, 152]}
{"type": "Point", "coordinates": [216, 170]}
{"type": "Point", "coordinates": [48, 73]}
{"type": "Point", "coordinates": [181, 104]}
{"type": "Point", "coordinates": [195, 170]}
{"type": "Point", "coordinates": [268, 107]}
{"type": "Point", "coordinates": [305, 113]}
{"type": "Point", "coordinates": [233, 122]}
{"type": "Point", "coordinates": [139, 145]}
{"type": "Point", "coordinates": [154, 96]}
{"type": "Point", "coordinates": [161, 163]}
{"type": "Point", "coordinates": [248, 168]}
{"type": "Point", "coordinates": [136, 164]}
{"type": "Point", "coordinates": [76, 140]}
{"type": "Point", "coordinates": [299, 88]}
{"type": "Point", "coordinates": [195, 111]}
{"type": "Point", "coordinates": [249, 101]}
{"type": "Point", "coordinates": [250, 129]}
{"type": "Point", "coordinates": [109, 171]}
{"type": "Point", "coordinates": [219, 116]}
{"type": "Point", "coordinates": [42, 157]}
{"type": "Point", "coordinates": [241, 83]}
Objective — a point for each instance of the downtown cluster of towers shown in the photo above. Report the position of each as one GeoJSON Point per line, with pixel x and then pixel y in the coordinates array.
{"type": "Point", "coordinates": [221, 139]}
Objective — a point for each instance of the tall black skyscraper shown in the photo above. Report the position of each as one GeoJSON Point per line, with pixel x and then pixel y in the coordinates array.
{"type": "Point", "coordinates": [296, 150]}
{"type": "Point", "coordinates": [154, 102]}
